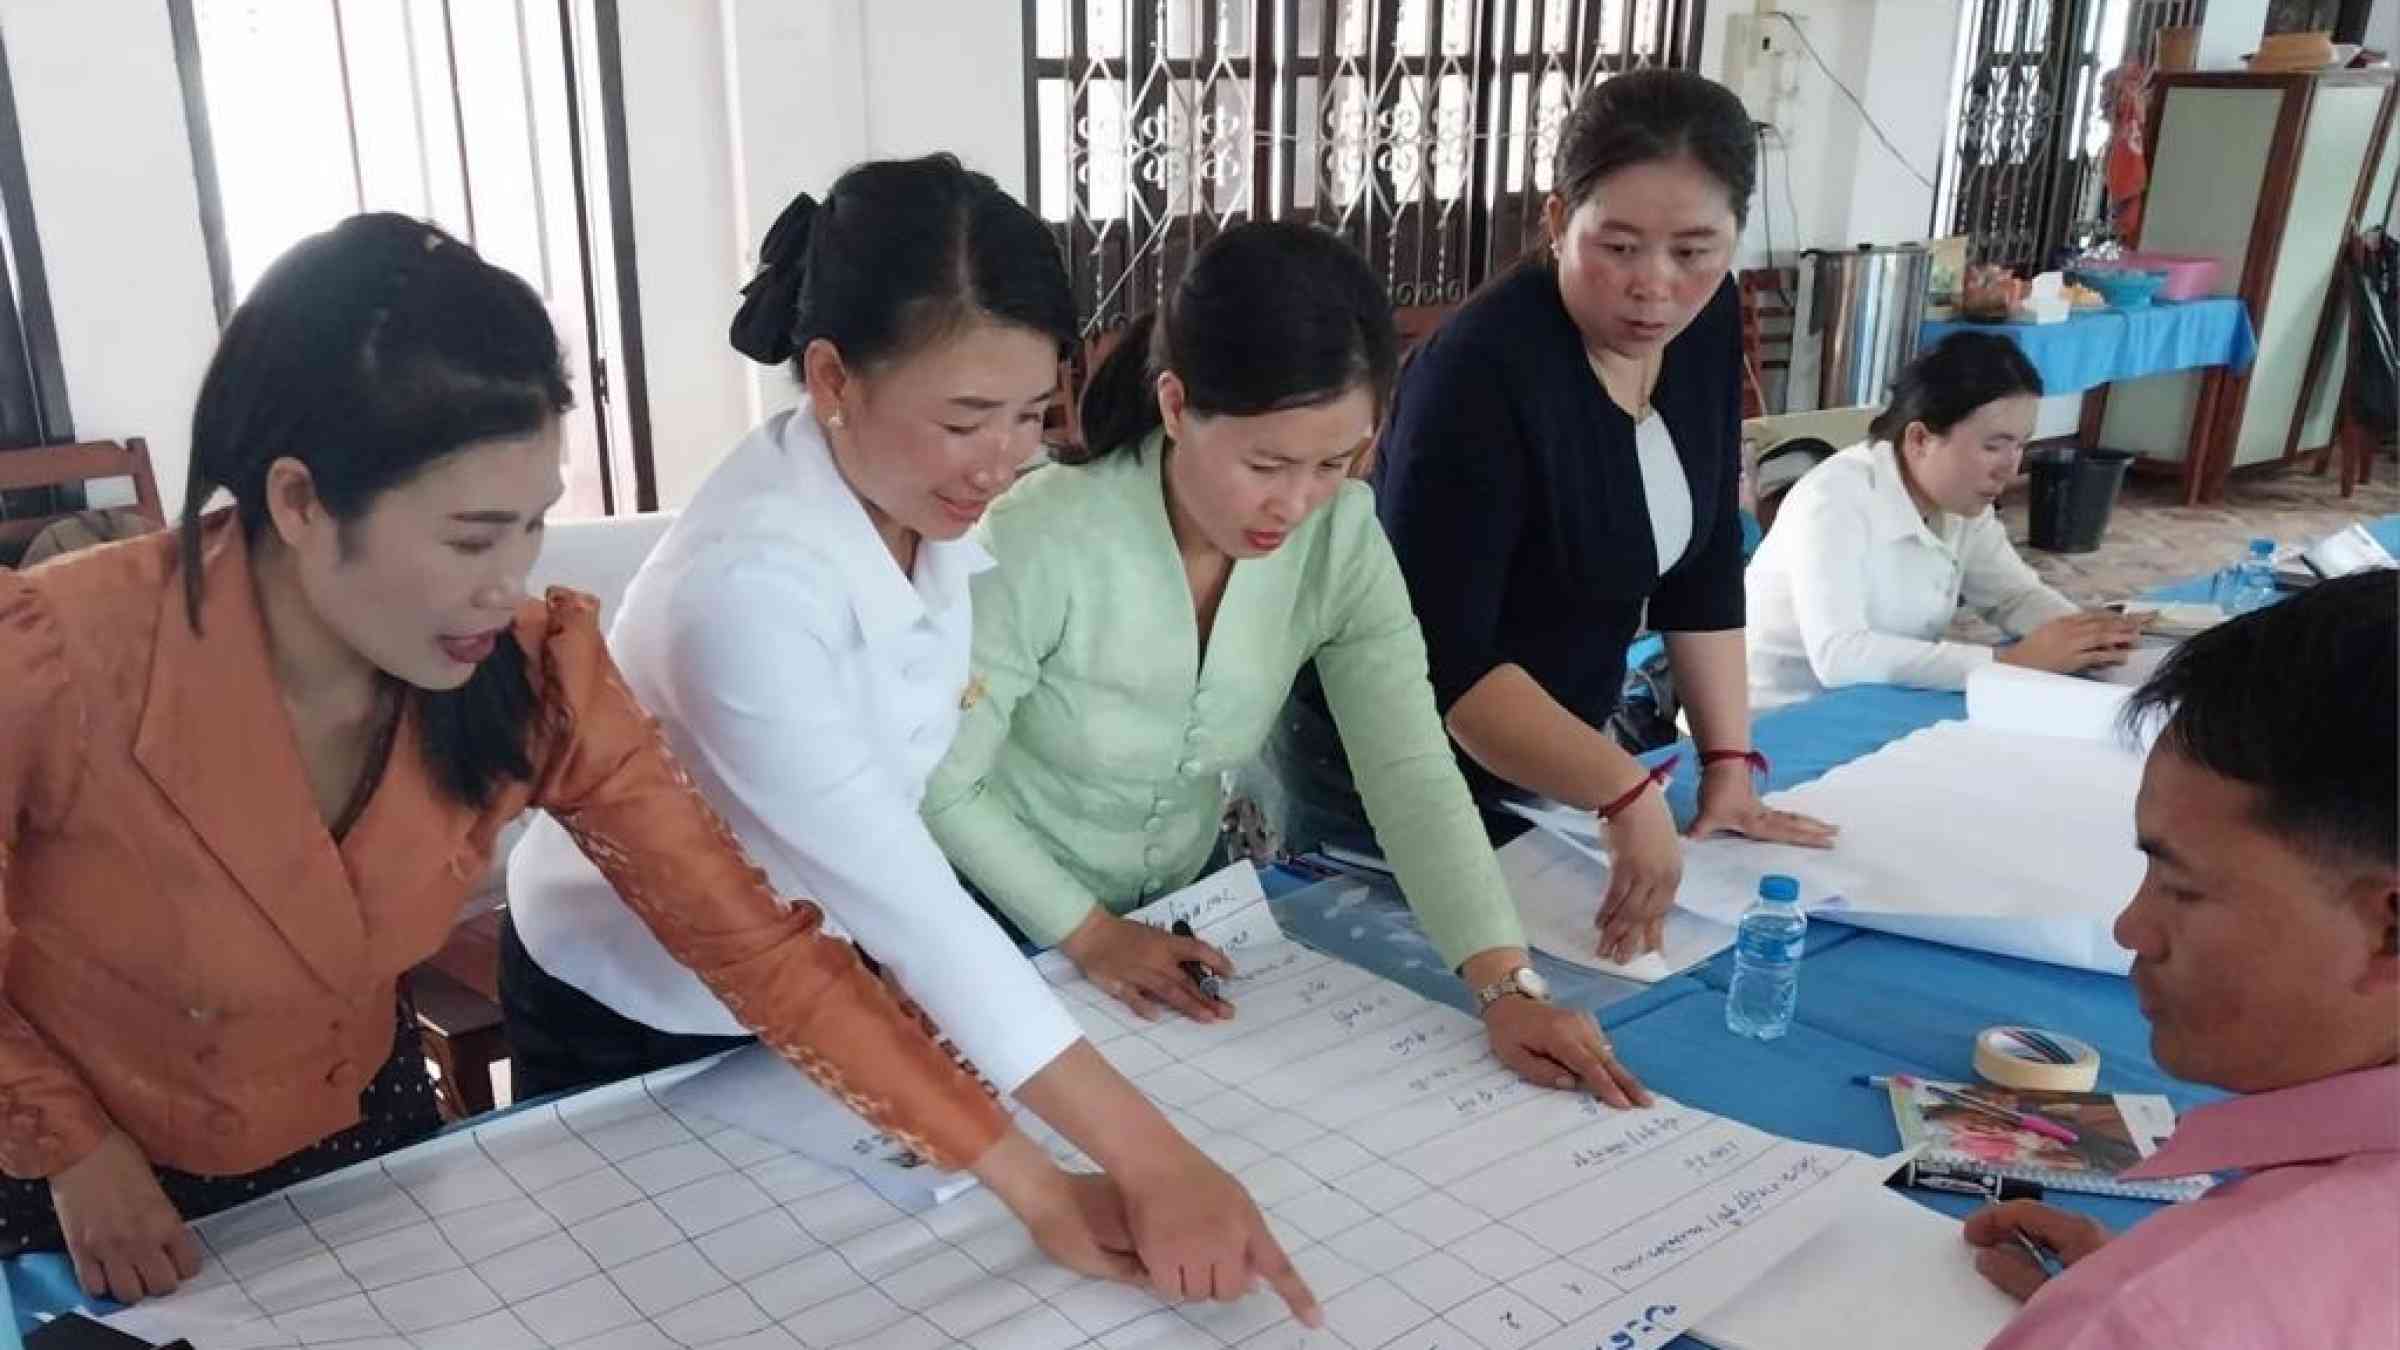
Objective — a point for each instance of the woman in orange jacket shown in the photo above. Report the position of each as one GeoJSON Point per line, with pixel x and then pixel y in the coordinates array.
{"type": "Point", "coordinates": [250, 767]}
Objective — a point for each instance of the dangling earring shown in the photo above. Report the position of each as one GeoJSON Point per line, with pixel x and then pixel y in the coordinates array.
{"type": "Point", "coordinates": [835, 419]}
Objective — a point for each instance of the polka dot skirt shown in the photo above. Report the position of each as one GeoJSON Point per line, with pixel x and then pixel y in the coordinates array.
{"type": "Point", "coordinates": [396, 1109]}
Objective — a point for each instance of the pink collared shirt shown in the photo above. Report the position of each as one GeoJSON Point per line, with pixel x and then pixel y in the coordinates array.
{"type": "Point", "coordinates": [2301, 1250]}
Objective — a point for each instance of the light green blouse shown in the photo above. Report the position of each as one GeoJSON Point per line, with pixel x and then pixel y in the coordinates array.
{"type": "Point", "coordinates": [1090, 767]}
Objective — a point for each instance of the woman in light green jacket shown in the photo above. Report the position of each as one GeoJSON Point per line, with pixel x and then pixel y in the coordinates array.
{"type": "Point", "coordinates": [1150, 609]}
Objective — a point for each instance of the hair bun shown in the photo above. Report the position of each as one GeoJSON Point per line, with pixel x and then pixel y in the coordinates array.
{"type": "Point", "coordinates": [763, 326]}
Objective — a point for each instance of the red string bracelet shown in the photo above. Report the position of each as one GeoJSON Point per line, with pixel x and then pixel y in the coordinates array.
{"type": "Point", "coordinates": [1757, 761]}
{"type": "Point", "coordinates": [1655, 778]}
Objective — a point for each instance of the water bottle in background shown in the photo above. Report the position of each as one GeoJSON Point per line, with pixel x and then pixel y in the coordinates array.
{"type": "Point", "coordinates": [1766, 962]}
{"type": "Point", "coordinates": [2251, 585]}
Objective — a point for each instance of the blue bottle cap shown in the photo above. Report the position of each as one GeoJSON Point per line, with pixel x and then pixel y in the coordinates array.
{"type": "Point", "coordinates": [1782, 890]}
{"type": "Point", "coordinates": [2262, 548]}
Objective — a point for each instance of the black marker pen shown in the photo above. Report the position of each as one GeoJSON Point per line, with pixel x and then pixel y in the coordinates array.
{"type": "Point", "coordinates": [1203, 979]}
{"type": "Point", "coordinates": [1926, 1176]}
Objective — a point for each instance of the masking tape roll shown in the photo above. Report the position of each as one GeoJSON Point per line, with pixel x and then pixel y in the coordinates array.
{"type": "Point", "coordinates": [2027, 1057]}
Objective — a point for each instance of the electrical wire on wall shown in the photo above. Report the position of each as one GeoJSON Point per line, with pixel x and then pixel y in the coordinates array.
{"type": "Point", "coordinates": [1771, 135]}
{"type": "Point", "coordinates": [1869, 118]}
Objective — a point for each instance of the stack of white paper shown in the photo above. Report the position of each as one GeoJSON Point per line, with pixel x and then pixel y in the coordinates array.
{"type": "Point", "coordinates": [1558, 881]}
{"type": "Point", "coordinates": [1890, 1275]}
{"type": "Point", "coordinates": [2010, 832]}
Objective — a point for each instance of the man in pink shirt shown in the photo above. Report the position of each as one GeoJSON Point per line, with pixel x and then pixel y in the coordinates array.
{"type": "Point", "coordinates": [2266, 941]}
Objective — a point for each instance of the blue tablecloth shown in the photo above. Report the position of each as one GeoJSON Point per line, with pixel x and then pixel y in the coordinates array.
{"type": "Point", "coordinates": [2094, 348]}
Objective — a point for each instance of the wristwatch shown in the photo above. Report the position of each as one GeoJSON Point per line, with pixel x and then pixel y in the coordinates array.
{"type": "Point", "coordinates": [1523, 982]}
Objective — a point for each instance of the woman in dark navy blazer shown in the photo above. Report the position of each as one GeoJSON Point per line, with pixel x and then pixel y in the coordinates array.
{"type": "Point", "coordinates": [1563, 456]}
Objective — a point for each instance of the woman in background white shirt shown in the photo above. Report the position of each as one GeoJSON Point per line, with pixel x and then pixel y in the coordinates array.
{"type": "Point", "coordinates": [1875, 549]}
{"type": "Point", "coordinates": [802, 635]}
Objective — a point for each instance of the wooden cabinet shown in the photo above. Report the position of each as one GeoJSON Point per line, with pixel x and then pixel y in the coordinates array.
{"type": "Point", "coordinates": [2268, 174]}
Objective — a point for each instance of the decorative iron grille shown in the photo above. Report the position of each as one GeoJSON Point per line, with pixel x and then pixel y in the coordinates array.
{"type": "Point", "coordinates": [1420, 130]}
{"type": "Point", "coordinates": [2025, 175]}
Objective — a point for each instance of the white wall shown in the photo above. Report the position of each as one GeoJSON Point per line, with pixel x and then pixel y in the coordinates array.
{"type": "Point", "coordinates": [1905, 83]}
{"type": "Point", "coordinates": [948, 76]}
{"type": "Point", "coordinates": [109, 162]}
{"type": "Point", "coordinates": [732, 107]}
{"type": "Point", "coordinates": [2230, 30]}
{"type": "Point", "coordinates": [1828, 183]}
{"type": "Point", "coordinates": [689, 251]}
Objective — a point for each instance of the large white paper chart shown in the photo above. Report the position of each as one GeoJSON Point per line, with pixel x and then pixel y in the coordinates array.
{"type": "Point", "coordinates": [1433, 1201]}
{"type": "Point", "coordinates": [758, 1090]}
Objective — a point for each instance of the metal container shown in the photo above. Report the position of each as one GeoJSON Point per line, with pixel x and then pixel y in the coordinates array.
{"type": "Point", "coordinates": [1865, 308]}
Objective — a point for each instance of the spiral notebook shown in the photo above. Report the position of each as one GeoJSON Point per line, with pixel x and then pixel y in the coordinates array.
{"type": "Point", "coordinates": [2113, 1131]}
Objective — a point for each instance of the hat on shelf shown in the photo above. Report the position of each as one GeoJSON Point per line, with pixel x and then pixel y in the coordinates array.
{"type": "Point", "coordinates": [2280, 53]}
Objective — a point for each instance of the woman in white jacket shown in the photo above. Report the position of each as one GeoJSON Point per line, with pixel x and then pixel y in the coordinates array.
{"type": "Point", "coordinates": [1876, 549]}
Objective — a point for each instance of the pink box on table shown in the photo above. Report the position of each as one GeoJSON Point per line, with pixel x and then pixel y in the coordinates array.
{"type": "Point", "coordinates": [2190, 276]}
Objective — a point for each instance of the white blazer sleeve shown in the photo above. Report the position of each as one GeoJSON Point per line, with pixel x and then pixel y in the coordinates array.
{"type": "Point", "coordinates": [1834, 559]}
{"type": "Point", "coordinates": [752, 681]}
{"type": "Point", "coordinates": [1999, 586]}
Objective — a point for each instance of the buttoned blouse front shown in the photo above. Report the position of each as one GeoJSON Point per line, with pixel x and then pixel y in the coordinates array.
{"type": "Point", "coordinates": [191, 957]}
{"type": "Point", "coordinates": [1090, 767]}
{"type": "Point", "coordinates": [811, 687]}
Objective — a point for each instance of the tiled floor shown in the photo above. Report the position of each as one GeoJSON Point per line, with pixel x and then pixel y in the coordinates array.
{"type": "Point", "coordinates": [2154, 538]}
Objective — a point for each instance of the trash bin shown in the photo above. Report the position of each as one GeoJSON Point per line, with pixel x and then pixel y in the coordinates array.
{"type": "Point", "coordinates": [2073, 493]}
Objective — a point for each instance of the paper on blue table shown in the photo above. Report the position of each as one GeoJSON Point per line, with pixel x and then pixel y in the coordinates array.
{"type": "Point", "coordinates": [1558, 881]}
{"type": "Point", "coordinates": [1889, 1275]}
{"type": "Point", "coordinates": [2011, 832]}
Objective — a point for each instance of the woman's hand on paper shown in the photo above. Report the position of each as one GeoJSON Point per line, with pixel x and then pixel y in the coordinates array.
{"type": "Point", "coordinates": [1562, 1048]}
{"type": "Point", "coordinates": [1201, 1236]}
{"type": "Point", "coordinates": [2077, 642]}
{"type": "Point", "coordinates": [124, 1235]}
{"type": "Point", "coordinates": [1645, 865]}
{"type": "Point", "coordinates": [1143, 967]}
{"type": "Point", "coordinates": [1998, 1258]}
{"type": "Point", "coordinates": [1729, 804]}
{"type": "Point", "coordinates": [1076, 1218]}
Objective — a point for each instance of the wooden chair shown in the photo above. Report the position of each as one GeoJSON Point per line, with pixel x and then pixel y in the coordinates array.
{"type": "Point", "coordinates": [45, 466]}
{"type": "Point", "coordinates": [1769, 297]}
{"type": "Point", "coordinates": [1417, 322]}
{"type": "Point", "coordinates": [457, 997]}
{"type": "Point", "coordinates": [2361, 285]}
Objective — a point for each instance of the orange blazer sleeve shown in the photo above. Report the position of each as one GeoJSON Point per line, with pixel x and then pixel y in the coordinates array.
{"type": "Point", "coordinates": [49, 1118]}
{"type": "Point", "coordinates": [604, 770]}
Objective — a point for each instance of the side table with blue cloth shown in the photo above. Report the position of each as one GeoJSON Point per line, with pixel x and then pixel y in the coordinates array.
{"type": "Point", "coordinates": [2097, 347]}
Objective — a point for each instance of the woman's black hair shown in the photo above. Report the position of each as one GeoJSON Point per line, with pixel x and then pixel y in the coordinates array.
{"type": "Point", "coordinates": [1270, 315]}
{"type": "Point", "coordinates": [368, 353]}
{"type": "Point", "coordinates": [1944, 386]}
{"type": "Point", "coordinates": [1656, 114]}
{"type": "Point", "coordinates": [900, 253]}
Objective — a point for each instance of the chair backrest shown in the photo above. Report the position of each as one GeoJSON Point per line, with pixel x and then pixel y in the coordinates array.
{"type": "Point", "coordinates": [598, 557]}
{"type": "Point", "coordinates": [1417, 322]}
{"type": "Point", "coordinates": [1769, 296]}
{"type": "Point", "coordinates": [45, 466]}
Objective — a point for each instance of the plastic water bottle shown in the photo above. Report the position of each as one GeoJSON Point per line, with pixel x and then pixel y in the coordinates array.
{"type": "Point", "coordinates": [2252, 582]}
{"type": "Point", "coordinates": [1766, 962]}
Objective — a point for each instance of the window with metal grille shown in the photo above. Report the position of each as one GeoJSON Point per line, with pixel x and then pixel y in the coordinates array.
{"type": "Point", "coordinates": [33, 383]}
{"type": "Point", "coordinates": [496, 119]}
{"type": "Point", "coordinates": [2024, 174]}
{"type": "Point", "coordinates": [1420, 130]}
